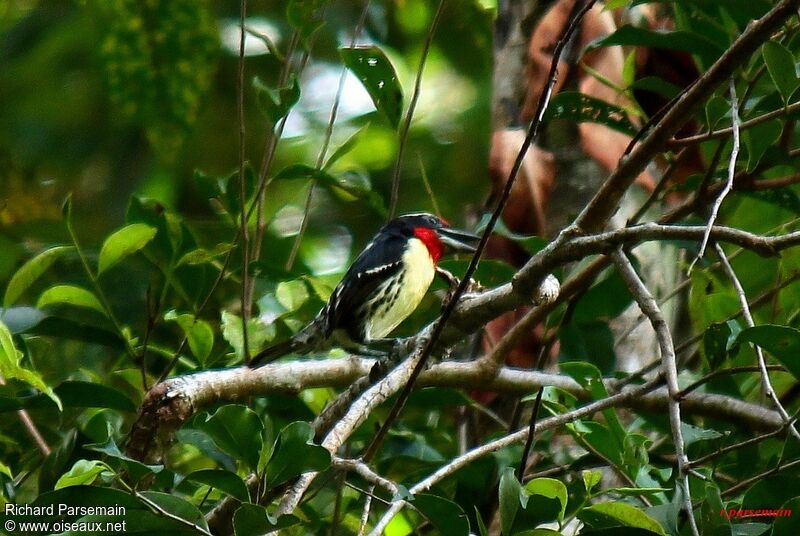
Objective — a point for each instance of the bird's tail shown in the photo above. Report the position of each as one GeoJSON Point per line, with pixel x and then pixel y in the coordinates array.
{"type": "Point", "coordinates": [271, 353]}
{"type": "Point", "coordinates": [304, 341]}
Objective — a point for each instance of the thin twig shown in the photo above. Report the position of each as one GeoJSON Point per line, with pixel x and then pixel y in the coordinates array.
{"type": "Point", "coordinates": [766, 383]}
{"type": "Point", "coordinates": [428, 189]}
{"type": "Point", "coordinates": [725, 372]}
{"type": "Point", "coordinates": [398, 165]}
{"type": "Point", "coordinates": [649, 307]}
{"type": "Point", "coordinates": [746, 443]}
{"type": "Point", "coordinates": [30, 426]}
{"type": "Point", "coordinates": [731, 172]}
{"type": "Point", "coordinates": [744, 125]}
{"type": "Point", "coordinates": [243, 231]}
{"type": "Point", "coordinates": [733, 490]}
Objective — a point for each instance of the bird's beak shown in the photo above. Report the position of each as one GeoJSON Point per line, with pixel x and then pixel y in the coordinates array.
{"type": "Point", "coordinates": [458, 240]}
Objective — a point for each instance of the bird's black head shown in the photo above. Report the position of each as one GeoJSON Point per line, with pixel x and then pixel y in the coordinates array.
{"type": "Point", "coordinates": [434, 232]}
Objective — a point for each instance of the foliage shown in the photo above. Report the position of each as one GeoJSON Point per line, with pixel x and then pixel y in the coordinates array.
{"type": "Point", "coordinates": [95, 314]}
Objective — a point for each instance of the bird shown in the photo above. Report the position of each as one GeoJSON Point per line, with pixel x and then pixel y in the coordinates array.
{"type": "Point", "coordinates": [382, 287]}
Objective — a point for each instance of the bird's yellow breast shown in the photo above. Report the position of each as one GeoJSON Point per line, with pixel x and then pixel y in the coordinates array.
{"type": "Point", "coordinates": [410, 287]}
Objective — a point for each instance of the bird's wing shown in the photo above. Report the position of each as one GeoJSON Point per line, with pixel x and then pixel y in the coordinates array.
{"type": "Point", "coordinates": [376, 264]}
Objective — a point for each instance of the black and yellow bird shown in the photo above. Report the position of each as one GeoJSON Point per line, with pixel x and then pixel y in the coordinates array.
{"type": "Point", "coordinates": [381, 289]}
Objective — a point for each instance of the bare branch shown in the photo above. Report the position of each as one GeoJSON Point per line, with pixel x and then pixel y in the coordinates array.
{"type": "Point", "coordinates": [669, 368]}
{"type": "Point", "coordinates": [731, 173]}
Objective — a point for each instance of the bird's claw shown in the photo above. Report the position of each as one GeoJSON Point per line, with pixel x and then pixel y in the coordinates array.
{"type": "Point", "coordinates": [453, 283]}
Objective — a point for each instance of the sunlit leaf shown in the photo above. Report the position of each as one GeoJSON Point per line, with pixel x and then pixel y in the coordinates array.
{"type": "Point", "coordinates": [122, 243]}
{"type": "Point", "coordinates": [202, 256]}
{"type": "Point", "coordinates": [5, 470]}
{"type": "Point", "coordinates": [550, 488]}
{"type": "Point", "coordinates": [613, 514]}
{"type": "Point", "coordinates": [83, 472]}
{"type": "Point", "coordinates": [29, 272]}
{"type": "Point", "coordinates": [258, 333]}
{"type": "Point", "coordinates": [11, 366]}
{"type": "Point", "coordinates": [199, 334]}
{"type": "Point", "coordinates": [379, 77]}
{"type": "Point", "coordinates": [70, 295]}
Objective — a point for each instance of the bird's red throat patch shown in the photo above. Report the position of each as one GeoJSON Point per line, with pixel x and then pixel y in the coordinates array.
{"type": "Point", "coordinates": [431, 240]}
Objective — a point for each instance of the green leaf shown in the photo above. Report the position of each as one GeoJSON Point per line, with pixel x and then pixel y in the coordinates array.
{"type": "Point", "coordinates": [305, 16]}
{"type": "Point", "coordinates": [258, 334]}
{"type": "Point", "coordinates": [788, 524]}
{"type": "Point", "coordinates": [83, 472]}
{"type": "Point", "coordinates": [198, 333]}
{"type": "Point", "coordinates": [6, 470]}
{"type": "Point", "coordinates": [223, 480]}
{"type": "Point", "coordinates": [346, 147]}
{"type": "Point", "coordinates": [711, 512]}
{"type": "Point", "coordinates": [785, 198]}
{"type": "Point", "coordinates": [481, 524]}
{"type": "Point", "coordinates": [70, 295]}
{"type": "Point", "coordinates": [782, 68]}
{"type": "Point", "coordinates": [591, 479]}
{"type": "Point", "coordinates": [136, 469]}
{"type": "Point", "coordinates": [236, 430]}
{"type": "Point", "coordinates": [122, 243]}
{"type": "Point", "coordinates": [31, 271]}
{"type": "Point", "coordinates": [657, 85]}
{"type": "Point", "coordinates": [580, 108]}
{"type": "Point", "coordinates": [550, 488]}
{"type": "Point", "coordinates": [178, 507]}
{"type": "Point", "coordinates": [628, 35]}
{"type": "Point", "coordinates": [692, 434]}
{"type": "Point", "coordinates": [593, 340]}
{"type": "Point", "coordinates": [276, 104]}
{"type": "Point", "coordinates": [715, 344]}
{"type": "Point", "coordinates": [760, 138]}
{"type": "Point", "coordinates": [203, 256]}
{"type": "Point", "coordinates": [81, 394]}
{"type": "Point", "coordinates": [254, 520]}
{"type": "Point", "coordinates": [782, 342]}
{"type": "Point", "coordinates": [10, 367]}
{"type": "Point", "coordinates": [379, 77]}
{"type": "Point", "coordinates": [614, 514]}
{"type": "Point", "coordinates": [295, 453]}
{"type": "Point", "coordinates": [292, 294]}
{"type": "Point", "coordinates": [446, 516]}
{"type": "Point", "coordinates": [509, 496]}
{"type": "Point", "coordinates": [716, 108]}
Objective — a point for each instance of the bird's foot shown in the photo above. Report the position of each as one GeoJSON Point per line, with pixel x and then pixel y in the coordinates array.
{"type": "Point", "coordinates": [453, 283]}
